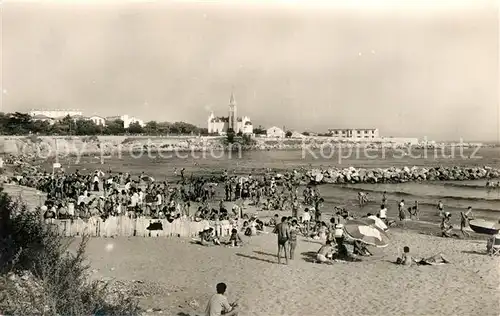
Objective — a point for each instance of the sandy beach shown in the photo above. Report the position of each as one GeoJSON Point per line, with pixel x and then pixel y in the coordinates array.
{"type": "Point", "coordinates": [187, 273]}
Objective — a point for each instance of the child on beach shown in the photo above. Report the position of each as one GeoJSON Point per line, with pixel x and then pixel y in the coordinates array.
{"type": "Point", "coordinates": [235, 238]}
{"type": "Point", "coordinates": [405, 258]}
{"type": "Point", "coordinates": [274, 221]}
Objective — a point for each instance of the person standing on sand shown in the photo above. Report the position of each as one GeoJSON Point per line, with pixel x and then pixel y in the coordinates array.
{"type": "Point", "coordinates": [402, 214]}
{"type": "Point", "coordinates": [384, 197]}
{"type": "Point", "coordinates": [295, 207]}
{"type": "Point", "coordinates": [293, 237]}
{"type": "Point", "coordinates": [283, 231]}
{"type": "Point", "coordinates": [464, 220]}
{"type": "Point", "coordinates": [383, 213]}
{"type": "Point", "coordinates": [219, 305]}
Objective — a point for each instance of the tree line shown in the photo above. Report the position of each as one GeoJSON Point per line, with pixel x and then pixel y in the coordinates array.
{"type": "Point", "coordinates": [18, 123]}
{"type": "Point", "coordinates": [23, 124]}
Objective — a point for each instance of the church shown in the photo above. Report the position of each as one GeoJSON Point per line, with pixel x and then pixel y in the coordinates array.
{"type": "Point", "coordinates": [221, 124]}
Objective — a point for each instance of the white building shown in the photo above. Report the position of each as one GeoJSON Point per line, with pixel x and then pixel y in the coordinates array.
{"type": "Point", "coordinates": [54, 114]}
{"type": "Point", "coordinates": [220, 125]}
{"type": "Point", "coordinates": [98, 120]}
{"type": "Point", "coordinates": [127, 120]}
{"type": "Point", "coordinates": [296, 134]}
{"type": "Point", "coordinates": [354, 133]}
{"type": "Point", "coordinates": [43, 118]}
{"type": "Point", "coordinates": [275, 132]}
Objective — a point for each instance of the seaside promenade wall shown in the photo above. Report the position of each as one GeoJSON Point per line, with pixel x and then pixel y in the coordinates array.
{"type": "Point", "coordinates": [49, 146]}
{"type": "Point", "coordinates": [88, 145]}
{"type": "Point", "coordinates": [121, 226]}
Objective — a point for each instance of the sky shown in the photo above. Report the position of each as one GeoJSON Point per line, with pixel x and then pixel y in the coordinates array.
{"type": "Point", "coordinates": [414, 70]}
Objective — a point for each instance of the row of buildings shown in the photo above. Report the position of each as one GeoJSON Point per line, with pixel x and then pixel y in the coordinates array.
{"type": "Point", "coordinates": [221, 124]}
{"type": "Point", "coordinates": [52, 116]}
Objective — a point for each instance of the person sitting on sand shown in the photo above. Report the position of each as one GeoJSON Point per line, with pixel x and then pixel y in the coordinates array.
{"type": "Point", "coordinates": [208, 236]}
{"type": "Point", "coordinates": [405, 258]}
{"type": "Point", "coordinates": [218, 304]}
{"type": "Point", "coordinates": [320, 231]}
{"type": "Point", "coordinates": [446, 227]}
{"type": "Point", "coordinates": [382, 213]}
{"type": "Point", "coordinates": [360, 249]}
{"type": "Point", "coordinates": [247, 231]}
{"type": "Point", "coordinates": [325, 253]}
{"type": "Point", "coordinates": [273, 221]}
{"type": "Point", "coordinates": [342, 251]}
{"type": "Point", "coordinates": [235, 238]}
{"type": "Point", "coordinates": [436, 259]}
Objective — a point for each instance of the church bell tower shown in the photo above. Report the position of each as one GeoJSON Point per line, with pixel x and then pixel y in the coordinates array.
{"type": "Point", "coordinates": [233, 119]}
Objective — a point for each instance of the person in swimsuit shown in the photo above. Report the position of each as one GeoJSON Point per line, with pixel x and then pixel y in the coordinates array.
{"type": "Point", "coordinates": [440, 208]}
{"type": "Point", "coordinates": [464, 220]}
{"type": "Point", "coordinates": [293, 237]}
{"type": "Point", "coordinates": [283, 231]}
{"type": "Point", "coordinates": [325, 253]}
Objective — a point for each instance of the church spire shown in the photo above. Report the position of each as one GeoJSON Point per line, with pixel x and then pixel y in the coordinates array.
{"type": "Point", "coordinates": [233, 120]}
{"type": "Point", "coordinates": [232, 101]}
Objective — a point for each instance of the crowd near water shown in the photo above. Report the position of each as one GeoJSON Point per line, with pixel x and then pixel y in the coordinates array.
{"type": "Point", "coordinates": [221, 195]}
{"type": "Point", "coordinates": [287, 198]}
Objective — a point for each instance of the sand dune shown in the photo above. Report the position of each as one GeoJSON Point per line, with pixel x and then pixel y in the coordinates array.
{"type": "Point", "coordinates": [187, 272]}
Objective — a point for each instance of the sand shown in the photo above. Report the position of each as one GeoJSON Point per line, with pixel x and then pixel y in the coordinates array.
{"type": "Point", "coordinates": [183, 275]}
{"type": "Point", "coordinates": [188, 272]}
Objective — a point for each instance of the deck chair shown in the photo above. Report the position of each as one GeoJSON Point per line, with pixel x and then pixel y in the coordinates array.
{"type": "Point", "coordinates": [493, 245]}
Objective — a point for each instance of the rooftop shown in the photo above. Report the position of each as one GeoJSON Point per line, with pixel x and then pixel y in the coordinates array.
{"type": "Point", "coordinates": [352, 128]}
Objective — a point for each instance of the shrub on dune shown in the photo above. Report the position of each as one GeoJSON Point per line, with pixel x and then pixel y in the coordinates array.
{"type": "Point", "coordinates": [39, 275]}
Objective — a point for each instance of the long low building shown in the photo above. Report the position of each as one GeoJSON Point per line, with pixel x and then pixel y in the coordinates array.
{"type": "Point", "coordinates": [354, 133]}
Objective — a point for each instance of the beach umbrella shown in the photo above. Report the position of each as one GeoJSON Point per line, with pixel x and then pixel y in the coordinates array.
{"type": "Point", "coordinates": [482, 226]}
{"type": "Point", "coordinates": [147, 179]}
{"type": "Point", "coordinates": [374, 220]}
{"type": "Point", "coordinates": [368, 234]}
